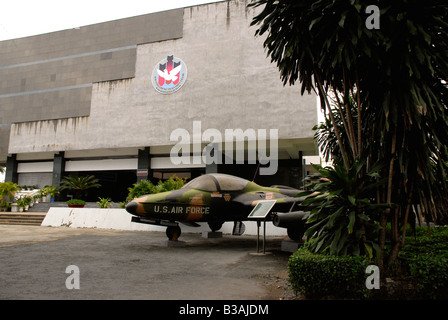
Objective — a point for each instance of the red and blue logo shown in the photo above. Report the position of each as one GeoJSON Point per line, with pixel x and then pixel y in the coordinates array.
{"type": "Point", "coordinates": [169, 75]}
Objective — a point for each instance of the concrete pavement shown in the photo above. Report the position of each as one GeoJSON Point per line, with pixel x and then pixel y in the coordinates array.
{"type": "Point", "coordinates": [134, 265]}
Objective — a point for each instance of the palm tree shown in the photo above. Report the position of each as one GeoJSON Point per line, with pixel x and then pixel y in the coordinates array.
{"type": "Point", "coordinates": [79, 184]}
{"type": "Point", "coordinates": [390, 93]}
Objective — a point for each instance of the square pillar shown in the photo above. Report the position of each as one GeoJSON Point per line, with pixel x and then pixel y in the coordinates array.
{"type": "Point", "coordinates": [58, 168]}
{"type": "Point", "coordinates": [11, 169]}
{"type": "Point", "coordinates": [144, 165]}
{"type": "Point", "coordinates": [297, 172]}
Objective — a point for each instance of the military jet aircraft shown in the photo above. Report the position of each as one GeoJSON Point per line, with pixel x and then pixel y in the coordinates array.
{"type": "Point", "coordinates": [217, 198]}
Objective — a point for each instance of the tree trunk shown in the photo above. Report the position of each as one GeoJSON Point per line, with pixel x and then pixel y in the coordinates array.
{"type": "Point", "coordinates": [358, 94]}
{"type": "Point", "coordinates": [386, 213]}
{"type": "Point", "coordinates": [406, 216]}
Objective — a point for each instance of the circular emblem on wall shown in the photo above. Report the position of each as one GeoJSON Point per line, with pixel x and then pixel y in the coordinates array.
{"type": "Point", "coordinates": [169, 75]}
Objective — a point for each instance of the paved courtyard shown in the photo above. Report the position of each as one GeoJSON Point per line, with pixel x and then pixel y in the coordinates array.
{"type": "Point", "coordinates": [134, 265]}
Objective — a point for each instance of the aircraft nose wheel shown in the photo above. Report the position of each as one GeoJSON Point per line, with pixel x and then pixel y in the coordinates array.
{"type": "Point", "coordinates": [173, 233]}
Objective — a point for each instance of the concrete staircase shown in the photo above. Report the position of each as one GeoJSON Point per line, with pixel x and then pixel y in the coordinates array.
{"type": "Point", "coordinates": [45, 206]}
{"type": "Point", "coordinates": [36, 214]}
{"type": "Point", "coordinates": [33, 217]}
{"type": "Point", "coordinates": [22, 218]}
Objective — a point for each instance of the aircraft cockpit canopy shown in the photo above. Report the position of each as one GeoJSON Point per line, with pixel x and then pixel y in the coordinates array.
{"type": "Point", "coordinates": [217, 182]}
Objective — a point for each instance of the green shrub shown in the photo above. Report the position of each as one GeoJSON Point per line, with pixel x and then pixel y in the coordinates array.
{"type": "Point", "coordinates": [173, 183]}
{"type": "Point", "coordinates": [147, 187]}
{"type": "Point", "coordinates": [76, 202]}
{"type": "Point", "coordinates": [140, 189]}
{"type": "Point", "coordinates": [105, 203]}
{"type": "Point", "coordinates": [7, 193]}
{"type": "Point", "coordinates": [421, 271]}
{"type": "Point", "coordinates": [343, 218]}
{"type": "Point", "coordinates": [425, 259]}
{"type": "Point", "coordinates": [319, 276]}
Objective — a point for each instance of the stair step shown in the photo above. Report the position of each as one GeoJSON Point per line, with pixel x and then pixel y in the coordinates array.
{"type": "Point", "coordinates": [23, 223]}
{"type": "Point", "coordinates": [22, 218]}
{"type": "Point", "coordinates": [23, 214]}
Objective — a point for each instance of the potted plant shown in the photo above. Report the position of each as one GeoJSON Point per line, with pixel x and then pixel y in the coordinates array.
{"type": "Point", "coordinates": [52, 191]}
{"type": "Point", "coordinates": [14, 207]}
{"type": "Point", "coordinates": [37, 197]}
{"type": "Point", "coordinates": [76, 203]}
{"type": "Point", "coordinates": [27, 201]}
{"type": "Point", "coordinates": [21, 203]}
{"type": "Point", "coordinates": [105, 203]}
{"type": "Point", "coordinates": [31, 201]}
{"type": "Point", "coordinates": [44, 194]}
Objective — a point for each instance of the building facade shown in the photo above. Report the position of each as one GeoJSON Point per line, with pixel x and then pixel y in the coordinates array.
{"type": "Point", "coordinates": [120, 99]}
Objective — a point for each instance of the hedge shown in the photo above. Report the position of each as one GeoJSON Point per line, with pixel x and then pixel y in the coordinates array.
{"type": "Point", "coordinates": [421, 271]}
{"type": "Point", "coordinates": [425, 259]}
{"type": "Point", "coordinates": [318, 276]}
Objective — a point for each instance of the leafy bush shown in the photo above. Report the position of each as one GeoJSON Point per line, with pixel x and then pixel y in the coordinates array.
{"type": "Point", "coordinates": [147, 187]}
{"type": "Point", "coordinates": [319, 276]}
{"type": "Point", "coordinates": [140, 189]}
{"type": "Point", "coordinates": [425, 259]}
{"type": "Point", "coordinates": [76, 202]}
{"type": "Point", "coordinates": [51, 190]}
{"type": "Point", "coordinates": [21, 202]}
{"type": "Point", "coordinates": [7, 192]}
{"type": "Point", "coordinates": [421, 271]}
{"type": "Point", "coordinates": [105, 203]}
{"type": "Point", "coordinates": [343, 218]}
{"type": "Point", "coordinates": [173, 183]}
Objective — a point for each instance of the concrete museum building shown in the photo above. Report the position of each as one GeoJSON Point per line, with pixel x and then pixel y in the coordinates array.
{"type": "Point", "coordinates": [149, 96]}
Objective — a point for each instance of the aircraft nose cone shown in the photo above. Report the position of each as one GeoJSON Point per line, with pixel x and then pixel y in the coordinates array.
{"type": "Point", "coordinates": [131, 207]}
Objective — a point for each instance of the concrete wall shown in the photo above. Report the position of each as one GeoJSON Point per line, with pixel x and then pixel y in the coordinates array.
{"type": "Point", "coordinates": [5, 130]}
{"type": "Point", "coordinates": [231, 84]}
{"type": "Point", "coordinates": [50, 76]}
{"type": "Point", "coordinates": [119, 219]}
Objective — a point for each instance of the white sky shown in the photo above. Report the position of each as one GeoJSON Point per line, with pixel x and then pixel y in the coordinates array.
{"type": "Point", "coordinates": [21, 18]}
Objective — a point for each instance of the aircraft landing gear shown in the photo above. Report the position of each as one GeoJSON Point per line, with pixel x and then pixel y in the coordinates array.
{"type": "Point", "coordinates": [173, 233]}
{"type": "Point", "coordinates": [215, 225]}
{"type": "Point", "coordinates": [296, 233]}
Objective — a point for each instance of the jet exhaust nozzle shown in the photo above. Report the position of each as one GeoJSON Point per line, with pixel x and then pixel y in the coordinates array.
{"type": "Point", "coordinates": [288, 219]}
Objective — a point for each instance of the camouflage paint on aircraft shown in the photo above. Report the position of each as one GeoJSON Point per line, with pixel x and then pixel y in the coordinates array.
{"type": "Point", "coordinates": [213, 198]}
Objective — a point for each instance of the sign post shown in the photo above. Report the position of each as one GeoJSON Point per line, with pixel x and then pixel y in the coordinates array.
{"type": "Point", "coordinates": [259, 213]}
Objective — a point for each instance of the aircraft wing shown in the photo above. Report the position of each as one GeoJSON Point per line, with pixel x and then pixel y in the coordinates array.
{"type": "Point", "coordinates": [283, 204]}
